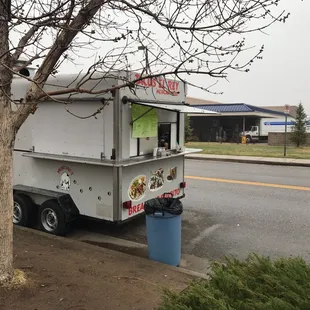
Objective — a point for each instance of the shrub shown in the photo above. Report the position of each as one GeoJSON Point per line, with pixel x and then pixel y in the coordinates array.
{"type": "Point", "coordinates": [193, 139]}
{"type": "Point", "coordinates": [188, 129]}
{"type": "Point", "coordinates": [258, 283]}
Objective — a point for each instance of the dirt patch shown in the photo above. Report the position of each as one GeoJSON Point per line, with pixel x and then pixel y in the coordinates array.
{"type": "Point", "coordinates": [65, 274]}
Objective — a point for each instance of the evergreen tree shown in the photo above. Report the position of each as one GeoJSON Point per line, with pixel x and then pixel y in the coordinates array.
{"type": "Point", "coordinates": [188, 129]}
{"type": "Point", "coordinates": [299, 134]}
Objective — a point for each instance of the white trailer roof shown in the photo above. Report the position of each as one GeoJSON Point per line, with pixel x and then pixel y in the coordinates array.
{"type": "Point", "coordinates": [182, 108]}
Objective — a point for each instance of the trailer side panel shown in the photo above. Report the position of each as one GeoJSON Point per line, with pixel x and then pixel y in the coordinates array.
{"type": "Point", "coordinates": [158, 177]}
{"type": "Point", "coordinates": [90, 186]}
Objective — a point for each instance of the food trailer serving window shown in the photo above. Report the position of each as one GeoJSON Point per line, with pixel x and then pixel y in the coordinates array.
{"type": "Point", "coordinates": [159, 125]}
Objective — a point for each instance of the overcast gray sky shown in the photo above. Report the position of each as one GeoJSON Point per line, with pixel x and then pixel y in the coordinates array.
{"type": "Point", "coordinates": [282, 77]}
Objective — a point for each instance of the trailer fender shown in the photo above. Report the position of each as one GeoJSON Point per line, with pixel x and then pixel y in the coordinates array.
{"type": "Point", "coordinates": [68, 207]}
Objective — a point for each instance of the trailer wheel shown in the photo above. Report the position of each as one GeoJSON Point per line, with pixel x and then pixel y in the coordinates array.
{"type": "Point", "coordinates": [52, 218]}
{"type": "Point", "coordinates": [23, 210]}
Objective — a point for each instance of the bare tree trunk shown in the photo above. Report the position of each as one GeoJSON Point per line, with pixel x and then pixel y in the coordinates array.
{"type": "Point", "coordinates": [6, 209]}
{"type": "Point", "coordinates": [7, 137]}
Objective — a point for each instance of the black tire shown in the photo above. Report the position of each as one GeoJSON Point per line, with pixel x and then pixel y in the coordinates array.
{"type": "Point", "coordinates": [52, 219]}
{"type": "Point", "coordinates": [24, 211]}
{"type": "Point", "coordinates": [248, 139]}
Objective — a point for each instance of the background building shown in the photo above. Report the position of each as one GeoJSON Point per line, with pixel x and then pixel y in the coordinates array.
{"type": "Point", "coordinates": [233, 119]}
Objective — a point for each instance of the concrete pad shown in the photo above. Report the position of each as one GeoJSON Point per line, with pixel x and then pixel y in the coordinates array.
{"type": "Point", "coordinates": [200, 266]}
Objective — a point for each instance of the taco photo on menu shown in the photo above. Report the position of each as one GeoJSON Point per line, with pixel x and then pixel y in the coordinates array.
{"type": "Point", "coordinates": [156, 179]}
{"type": "Point", "coordinates": [137, 187]}
{"type": "Point", "coordinates": [172, 174]}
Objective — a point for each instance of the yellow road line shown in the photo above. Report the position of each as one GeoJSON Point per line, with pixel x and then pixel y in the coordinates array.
{"type": "Point", "coordinates": [298, 188]}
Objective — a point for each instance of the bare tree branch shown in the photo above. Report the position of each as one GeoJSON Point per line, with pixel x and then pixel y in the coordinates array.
{"type": "Point", "coordinates": [197, 38]}
{"type": "Point", "coordinates": [61, 44]}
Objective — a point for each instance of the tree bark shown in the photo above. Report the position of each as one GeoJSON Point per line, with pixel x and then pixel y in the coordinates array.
{"type": "Point", "coordinates": [7, 137]}
{"type": "Point", "coordinates": [6, 210]}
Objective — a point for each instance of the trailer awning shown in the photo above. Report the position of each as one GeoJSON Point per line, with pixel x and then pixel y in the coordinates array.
{"type": "Point", "coordinates": [182, 108]}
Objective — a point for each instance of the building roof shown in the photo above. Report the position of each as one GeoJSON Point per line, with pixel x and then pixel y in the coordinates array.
{"type": "Point", "coordinates": [280, 108]}
{"type": "Point", "coordinates": [234, 108]}
{"type": "Point", "coordinates": [240, 109]}
{"type": "Point", "coordinates": [197, 101]}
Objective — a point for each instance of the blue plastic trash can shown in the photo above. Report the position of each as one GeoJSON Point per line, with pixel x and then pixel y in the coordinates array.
{"type": "Point", "coordinates": [163, 231]}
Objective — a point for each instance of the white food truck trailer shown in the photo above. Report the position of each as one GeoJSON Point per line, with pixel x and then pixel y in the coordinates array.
{"type": "Point", "coordinates": [68, 163]}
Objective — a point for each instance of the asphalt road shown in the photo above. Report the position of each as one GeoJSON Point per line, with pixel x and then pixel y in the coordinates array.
{"type": "Point", "coordinates": [235, 209]}
{"type": "Point", "coordinates": [243, 217]}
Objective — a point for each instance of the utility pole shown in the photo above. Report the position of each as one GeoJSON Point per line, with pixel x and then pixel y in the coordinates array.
{"type": "Point", "coordinates": [286, 111]}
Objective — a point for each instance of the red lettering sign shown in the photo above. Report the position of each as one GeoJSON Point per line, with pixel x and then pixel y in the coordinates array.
{"type": "Point", "coordinates": [65, 168]}
{"type": "Point", "coordinates": [163, 86]}
{"type": "Point", "coordinates": [140, 206]}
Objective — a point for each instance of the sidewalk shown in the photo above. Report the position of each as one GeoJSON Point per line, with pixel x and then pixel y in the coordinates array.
{"type": "Point", "coordinates": [252, 160]}
{"type": "Point", "coordinates": [67, 274]}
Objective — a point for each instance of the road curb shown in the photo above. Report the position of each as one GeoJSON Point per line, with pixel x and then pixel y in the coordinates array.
{"type": "Point", "coordinates": [102, 249]}
{"type": "Point", "coordinates": [250, 161]}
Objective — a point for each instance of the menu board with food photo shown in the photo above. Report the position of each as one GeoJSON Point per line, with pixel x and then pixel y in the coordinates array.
{"type": "Point", "coordinates": [137, 188]}
{"type": "Point", "coordinates": [156, 180]}
{"type": "Point", "coordinates": [172, 174]}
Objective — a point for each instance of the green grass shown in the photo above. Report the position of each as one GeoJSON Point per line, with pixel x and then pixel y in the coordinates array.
{"type": "Point", "coordinates": [259, 150]}
{"type": "Point", "coordinates": [257, 283]}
